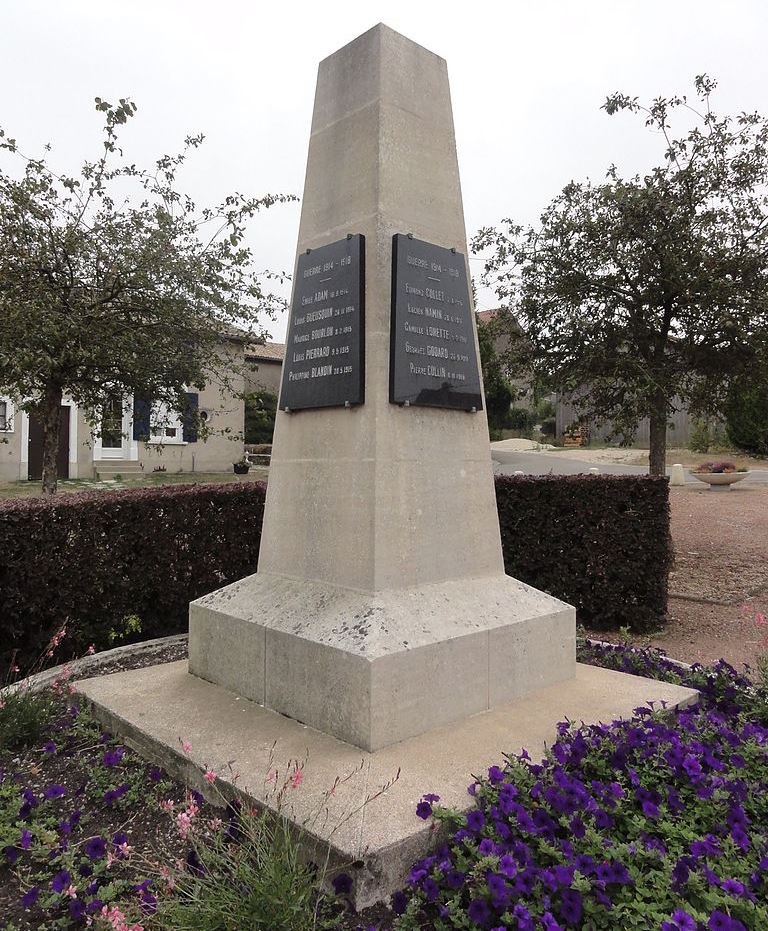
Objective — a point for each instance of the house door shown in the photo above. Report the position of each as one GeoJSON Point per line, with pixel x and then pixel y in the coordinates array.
{"type": "Point", "coordinates": [114, 435]}
{"type": "Point", "coordinates": [35, 455]}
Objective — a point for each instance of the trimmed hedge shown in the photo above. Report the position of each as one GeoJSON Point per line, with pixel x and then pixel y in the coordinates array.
{"type": "Point", "coordinates": [599, 542]}
{"type": "Point", "coordinates": [98, 561]}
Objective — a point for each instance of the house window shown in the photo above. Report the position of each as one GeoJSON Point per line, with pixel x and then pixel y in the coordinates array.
{"type": "Point", "coordinates": [165, 425]}
{"type": "Point", "coordinates": [6, 416]}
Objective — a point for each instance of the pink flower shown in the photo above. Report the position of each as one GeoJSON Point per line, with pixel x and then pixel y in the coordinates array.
{"type": "Point", "coordinates": [15, 668]}
{"type": "Point", "coordinates": [760, 619]}
{"type": "Point", "coordinates": [272, 776]}
{"type": "Point", "coordinates": [71, 892]}
{"type": "Point", "coordinates": [186, 747]}
{"type": "Point", "coordinates": [210, 776]}
{"type": "Point", "coordinates": [214, 824]}
{"type": "Point", "coordinates": [297, 778]}
{"type": "Point", "coordinates": [91, 650]}
{"type": "Point", "coordinates": [167, 805]}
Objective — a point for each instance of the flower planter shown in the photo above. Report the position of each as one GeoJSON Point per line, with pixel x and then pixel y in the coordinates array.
{"type": "Point", "coordinates": [241, 468]}
{"type": "Point", "coordinates": [721, 481]}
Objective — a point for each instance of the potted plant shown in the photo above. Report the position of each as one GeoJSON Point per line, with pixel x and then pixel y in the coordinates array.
{"type": "Point", "coordinates": [719, 474]}
{"type": "Point", "coordinates": [241, 467]}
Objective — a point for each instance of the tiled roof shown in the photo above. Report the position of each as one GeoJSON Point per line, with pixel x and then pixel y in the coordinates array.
{"type": "Point", "coordinates": [270, 352]}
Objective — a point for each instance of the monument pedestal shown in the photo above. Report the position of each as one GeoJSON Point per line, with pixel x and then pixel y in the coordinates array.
{"type": "Point", "coordinates": [376, 668]}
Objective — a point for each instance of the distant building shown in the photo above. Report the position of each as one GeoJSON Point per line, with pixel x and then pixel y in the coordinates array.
{"type": "Point", "coordinates": [264, 367]}
{"type": "Point", "coordinates": [135, 436]}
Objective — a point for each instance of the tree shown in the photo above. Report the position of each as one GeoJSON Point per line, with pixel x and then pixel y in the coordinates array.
{"type": "Point", "coordinates": [746, 415]}
{"type": "Point", "coordinates": [260, 414]}
{"type": "Point", "coordinates": [113, 283]}
{"type": "Point", "coordinates": [498, 394]}
{"type": "Point", "coordinates": [636, 296]}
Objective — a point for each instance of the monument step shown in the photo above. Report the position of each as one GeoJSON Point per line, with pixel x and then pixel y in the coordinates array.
{"type": "Point", "coordinates": [153, 709]}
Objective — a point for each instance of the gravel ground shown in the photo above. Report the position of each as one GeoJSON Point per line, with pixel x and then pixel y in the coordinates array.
{"type": "Point", "coordinates": [720, 577]}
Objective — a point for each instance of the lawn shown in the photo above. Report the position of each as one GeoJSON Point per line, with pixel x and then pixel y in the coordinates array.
{"type": "Point", "coordinates": [152, 480]}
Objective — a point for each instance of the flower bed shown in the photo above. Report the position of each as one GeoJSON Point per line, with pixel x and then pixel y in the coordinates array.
{"type": "Point", "coordinates": [659, 822]}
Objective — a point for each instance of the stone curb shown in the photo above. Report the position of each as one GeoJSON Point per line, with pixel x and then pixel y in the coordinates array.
{"type": "Point", "coordinates": [77, 667]}
{"type": "Point", "coordinates": [607, 643]}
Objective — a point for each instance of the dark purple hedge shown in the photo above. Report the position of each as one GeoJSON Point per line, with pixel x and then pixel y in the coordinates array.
{"type": "Point", "coordinates": [93, 560]}
{"type": "Point", "coordinates": [600, 542]}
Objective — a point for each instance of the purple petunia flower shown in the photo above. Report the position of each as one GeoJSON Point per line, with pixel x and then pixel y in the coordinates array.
{"type": "Point", "coordinates": [77, 909]}
{"type": "Point", "coordinates": [423, 810]}
{"type": "Point", "coordinates": [571, 907]}
{"type": "Point", "coordinates": [61, 881]}
{"type": "Point", "coordinates": [49, 747]}
{"type": "Point", "coordinates": [399, 902]}
{"type": "Point", "coordinates": [454, 879]}
{"type": "Point", "coordinates": [683, 921]}
{"type": "Point", "coordinates": [479, 911]}
{"type": "Point", "coordinates": [112, 757]}
{"type": "Point", "coordinates": [54, 792]}
{"type": "Point", "coordinates": [11, 854]}
{"type": "Point", "coordinates": [95, 848]}
{"type": "Point", "coordinates": [342, 884]}
{"type": "Point", "coordinates": [31, 897]}
{"type": "Point", "coordinates": [475, 820]}
{"type": "Point", "coordinates": [430, 889]}
{"type": "Point", "coordinates": [156, 774]}
{"type": "Point", "coordinates": [25, 841]}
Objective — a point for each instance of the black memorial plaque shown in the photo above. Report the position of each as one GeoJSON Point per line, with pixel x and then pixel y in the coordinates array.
{"type": "Point", "coordinates": [324, 352]}
{"type": "Point", "coordinates": [432, 359]}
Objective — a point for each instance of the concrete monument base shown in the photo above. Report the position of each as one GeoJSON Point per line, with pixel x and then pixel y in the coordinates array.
{"type": "Point", "coordinates": [376, 668]}
{"type": "Point", "coordinates": [372, 835]}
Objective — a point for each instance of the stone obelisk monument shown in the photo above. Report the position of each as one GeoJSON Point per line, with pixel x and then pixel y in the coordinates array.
{"type": "Point", "coordinates": [380, 613]}
{"type": "Point", "coordinates": [381, 608]}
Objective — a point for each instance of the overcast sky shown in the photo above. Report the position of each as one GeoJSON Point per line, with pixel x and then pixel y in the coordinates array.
{"type": "Point", "coordinates": [528, 78]}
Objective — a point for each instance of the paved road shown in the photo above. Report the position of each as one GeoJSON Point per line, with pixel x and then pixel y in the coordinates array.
{"type": "Point", "coordinates": [507, 461]}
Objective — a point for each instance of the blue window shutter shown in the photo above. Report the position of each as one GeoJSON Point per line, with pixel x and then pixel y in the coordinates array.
{"type": "Point", "coordinates": [141, 409]}
{"type": "Point", "coordinates": [189, 418]}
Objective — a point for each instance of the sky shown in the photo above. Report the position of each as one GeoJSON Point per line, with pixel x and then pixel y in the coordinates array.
{"type": "Point", "coordinates": [527, 83]}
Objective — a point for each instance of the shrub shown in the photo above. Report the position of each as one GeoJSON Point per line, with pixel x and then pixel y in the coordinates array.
{"type": "Point", "coordinates": [260, 413]}
{"type": "Point", "coordinates": [127, 560]}
{"type": "Point", "coordinates": [519, 418]}
{"type": "Point", "coordinates": [747, 418]}
{"type": "Point", "coordinates": [126, 564]}
{"type": "Point", "coordinates": [600, 543]}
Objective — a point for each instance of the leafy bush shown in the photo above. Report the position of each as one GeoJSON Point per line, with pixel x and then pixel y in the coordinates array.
{"type": "Point", "coordinates": [657, 822]}
{"type": "Point", "coordinates": [97, 561]}
{"type": "Point", "coordinates": [601, 543]}
{"type": "Point", "coordinates": [260, 413]}
{"type": "Point", "coordinates": [519, 418]}
{"type": "Point", "coordinates": [126, 564]}
{"type": "Point", "coordinates": [549, 427]}
{"type": "Point", "coordinates": [747, 418]}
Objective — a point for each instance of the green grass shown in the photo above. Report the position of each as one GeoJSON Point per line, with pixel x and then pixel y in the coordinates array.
{"type": "Point", "coordinates": [72, 486]}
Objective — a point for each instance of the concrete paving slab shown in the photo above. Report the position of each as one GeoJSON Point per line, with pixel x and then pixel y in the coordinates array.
{"type": "Point", "coordinates": [374, 834]}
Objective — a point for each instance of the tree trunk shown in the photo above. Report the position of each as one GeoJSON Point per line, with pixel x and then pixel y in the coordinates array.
{"type": "Point", "coordinates": [657, 457]}
{"type": "Point", "coordinates": [50, 414]}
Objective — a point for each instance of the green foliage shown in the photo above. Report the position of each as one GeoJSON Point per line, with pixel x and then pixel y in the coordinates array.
{"type": "Point", "coordinates": [519, 418]}
{"type": "Point", "coordinates": [700, 440]}
{"type": "Point", "coordinates": [261, 883]}
{"type": "Point", "coordinates": [260, 413]}
{"type": "Point", "coordinates": [24, 717]}
{"type": "Point", "coordinates": [634, 292]}
{"type": "Point", "coordinates": [115, 282]}
{"type": "Point", "coordinates": [747, 416]}
{"type": "Point", "coordinates": [498, 393]}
